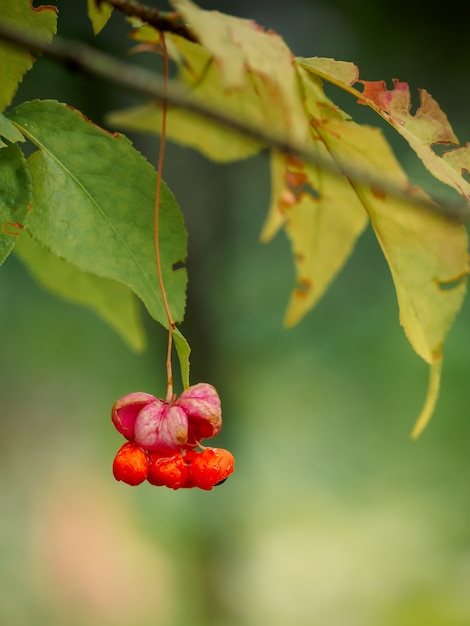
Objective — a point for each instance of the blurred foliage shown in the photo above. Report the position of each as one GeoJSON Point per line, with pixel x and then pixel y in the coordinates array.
{"type": "Point", "coordinates": [333, 516]}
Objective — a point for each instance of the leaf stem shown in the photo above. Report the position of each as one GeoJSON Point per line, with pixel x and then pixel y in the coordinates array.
{"type": "Point", "coordinates": [161, 156]}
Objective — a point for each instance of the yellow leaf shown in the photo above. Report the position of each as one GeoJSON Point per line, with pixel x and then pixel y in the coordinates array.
{"type": "Point", "coordinates": [427, 127]}
{"type": "Point", "coordinates": [340, 73]}
{"type": "Point", "coordinates": [241, 70]}
{"type": "Point", "coordinates": [427, 256]}
{"type": "Point", "coordinates": [249, 58]}
{"type": "Point", "coordinates": [99, 15]}
{"type": "Point", "coordinates": [431, 399]}
{"type": "Point", "coordinates": [427, 253]}
{"type": "Point", "coordinates": [323, 219]}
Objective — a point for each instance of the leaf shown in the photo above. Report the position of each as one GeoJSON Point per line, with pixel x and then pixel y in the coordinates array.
{"type": "Point", "coordinates": [9, 132]}
{"type": "Point", "coordinates": [243, 71]}
{"type": "Point", "coordinates": [114, 302]}
{"type": "Point", "coordinates": [428, 127]}
{"type": "Point", "coordinates": [15, 197]}
{"type": "Point", "coordinates": [428, 259]}
{"type": "Point", "coordinates": [183, 350]}
{"type": "Point", "coordinates": [94, 200]}
{"type": "Point", "coordinates": [250, 58]}
{"type": "Point", "coordinates": [323, 219]}
{"type": "Point", "coordinates": [99, 14]}
{"type": "Point", "coordinates": [321, 213]}
{"type": "Point", "coordinates": [203, 79]}
{"type": "Point", "coordinates": [426, 253]}
{"type": "Point", "coordinates": [431, 399]}
{"type": "Point", "coordinates": [14, 62]}
{"type": "Point", "coordinates": [94, 197]}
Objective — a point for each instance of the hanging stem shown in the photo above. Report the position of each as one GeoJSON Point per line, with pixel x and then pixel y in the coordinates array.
{"type": "Point", "coordinates": [161, 155]}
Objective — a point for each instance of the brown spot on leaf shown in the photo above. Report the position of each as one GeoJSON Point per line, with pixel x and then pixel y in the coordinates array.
{"type": "Point", "coordinates": [287, 199]}
{"type": "Point", "coordinates": [43, 7]}
{"type": "Point", "coordinates": [304, 285]}
{"type": "Point", "coordinates": [294, 161]}
{"type": "Point", "coordinates": [451, 283]}
{"type": "Point", "coordinates": [103, 130]}
{"type": "Point", "coordinates": [378, 193]}
{"type": "Point", "coordinates": [295, 179]}
{"type": "Point", "coordinates": [8, 229]}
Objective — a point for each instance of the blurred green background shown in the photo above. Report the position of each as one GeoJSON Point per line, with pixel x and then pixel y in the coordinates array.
{"type": "Point", "coordinates": [333, 516]}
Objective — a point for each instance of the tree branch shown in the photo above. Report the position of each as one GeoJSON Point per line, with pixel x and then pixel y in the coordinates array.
{"type": "Point", "coordinates": [168, 22]}
{"type": "Point", "coordinates": [127, 75]}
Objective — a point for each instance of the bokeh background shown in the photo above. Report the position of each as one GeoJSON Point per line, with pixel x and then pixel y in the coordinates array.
{"type": "Point", "coordinates": [333, 515]}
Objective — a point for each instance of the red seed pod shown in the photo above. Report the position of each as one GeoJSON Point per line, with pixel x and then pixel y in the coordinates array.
{"type": "Point", "coordinates": [201, 403]}
{"type": "Point", "coordinates": [130, 464]}
{"type": "Point", "coordinates": [210, 467]}
{"type": "Point", "coordinates": [170, 471]}
{"type": "Point", "coordinates": [188, 456]}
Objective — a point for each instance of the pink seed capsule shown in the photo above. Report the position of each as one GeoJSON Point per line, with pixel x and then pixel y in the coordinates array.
{"type": "Point", "coordinates": [161, 427]}
{"type": "Point", "coordinates": [201, 403]}
{"type": "Point", "coordinates": [125, 410]}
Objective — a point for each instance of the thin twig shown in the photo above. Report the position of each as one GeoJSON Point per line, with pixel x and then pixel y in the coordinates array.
{"type": "Point", "coordinates": [161, 157]}
{"type": "Point", "coordinates": [165, 22]}
{"type": "Point", "coordinates": [102, 65]}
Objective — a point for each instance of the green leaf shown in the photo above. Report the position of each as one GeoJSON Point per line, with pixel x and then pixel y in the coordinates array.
{"type": "Point", "coordinates": [99, 15]}
{"type": "Point", "coordinates": [94, 198]}
{"type": "Point", "coordinates": [14, 62]}
{"type": "Point", "coordinates": [9, 132]}
{"type": "Point", "coordinates": [183, 350]}
{"type": "Point", "coordinates": [114, 302]}
{"type": "Point", "coordinates": [15, 197]}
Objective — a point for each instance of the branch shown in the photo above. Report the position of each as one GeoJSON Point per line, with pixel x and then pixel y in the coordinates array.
{"type": "Point", "coordinates": [168, 22]}
{"type": "Point", "coordinates": [102, 65]}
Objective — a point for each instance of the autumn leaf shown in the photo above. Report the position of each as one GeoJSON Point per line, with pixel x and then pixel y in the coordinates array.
{"type": "Point", "coordinates": [243, 71]}
{"type": "Point", "coordinates": [112, 301]}
{"type": "Point", "coordinates": [99, 14]}
{"type": "Point", "coordinates": [250, 58]}
{"type": "Point", "coordinates": [323, 216]}
{"type": "Point", "coordinates": [428, 127]}
{"type": "Point", "coordinates": [14, 62]}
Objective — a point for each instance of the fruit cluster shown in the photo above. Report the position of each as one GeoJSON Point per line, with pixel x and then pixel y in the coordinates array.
{"type": "Point", "coordinates": [162, 437]}
{"type": "Point", "coordinates": [188, 468]}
